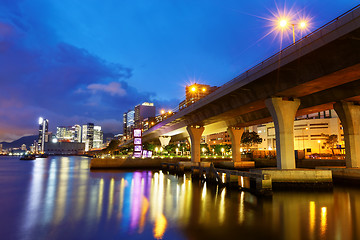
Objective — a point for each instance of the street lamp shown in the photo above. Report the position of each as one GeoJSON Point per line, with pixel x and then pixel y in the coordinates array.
{"type": "Point", "coordinates": [203, 150]}
{"type": "Point", "coordinates": [284, 23]}
{"type": "Point", "coordinates": [222, 151]}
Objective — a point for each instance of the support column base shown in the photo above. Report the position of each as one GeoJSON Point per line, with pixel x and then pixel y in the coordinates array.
{"type": "Point", "coordinates": [298, 178]}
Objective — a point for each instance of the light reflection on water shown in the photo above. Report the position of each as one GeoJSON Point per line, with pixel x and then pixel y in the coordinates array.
{"type": "Point", "coordinates": [62, 199]}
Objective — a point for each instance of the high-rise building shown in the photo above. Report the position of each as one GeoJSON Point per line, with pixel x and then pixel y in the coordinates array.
{"type": "Point", "coordinates": [77, 133]}
{"type": "Point", "coordinates": [23, 147]}
{"type": "Point", "coordinates": [88, 136]}
{"type": "Point", "coordinates": [125, 124]}
{"type": "Point", "coordinates": [64, 134]}
{"type": "Point", "coordinates": [98, 137]}
{"type": "Point", "coordinates": [1, 146]}
{"type": "Point", "coordinates": [130, 123]}
{"type": "Point", "coordinates": [32, 148]}
{"type": "Point", "coordinates": [142, 111]}
{"type": "Point", "coordinates": [194, 93]}
{"type": "Point", "coordinates": [43, 130]}
{"type": "Point", "coordinates": [69, 134]}
{"type": "Point", "coordinates": [134, 118]}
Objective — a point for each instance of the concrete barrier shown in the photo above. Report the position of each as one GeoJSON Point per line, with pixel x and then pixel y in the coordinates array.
{"type": "Point", "coordinates": [344, 174]}
{"type": "Point", "coordinates": [301, 178]}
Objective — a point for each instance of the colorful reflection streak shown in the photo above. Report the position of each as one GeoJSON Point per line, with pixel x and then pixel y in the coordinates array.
{"type": "Point", "coordinates": [64, 199]}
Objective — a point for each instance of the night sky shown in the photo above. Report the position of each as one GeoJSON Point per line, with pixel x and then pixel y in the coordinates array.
{"type": "Point", "coordinates": [79, 61]}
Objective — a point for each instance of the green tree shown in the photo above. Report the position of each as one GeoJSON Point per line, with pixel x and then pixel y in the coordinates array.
{"type": "Point", "coordinates": [330, 141]}
{"type": "Point", "coordinates": [170, 148]}
{"type": "Point", "coordinates": [149, 146]}
{"type": "Point", "coordinates": [217, 148]}
{"type": "Point", "coordinates": [112, 147]}
{"type": "Point", "coordinates": [250, 138]}
{"type": "Point", "coordinates": [204, 146]}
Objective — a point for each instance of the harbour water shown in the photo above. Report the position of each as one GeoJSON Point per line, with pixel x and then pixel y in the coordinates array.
{"type": "Point", "coordinates": [60, 198]}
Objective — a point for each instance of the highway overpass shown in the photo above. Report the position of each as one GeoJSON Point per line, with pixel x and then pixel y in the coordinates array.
{"type": "Point", "coordinates": [309, 76]}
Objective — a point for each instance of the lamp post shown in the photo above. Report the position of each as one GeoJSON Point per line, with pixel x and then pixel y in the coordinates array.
{"type": "Point", "coordinates": [284, 23]}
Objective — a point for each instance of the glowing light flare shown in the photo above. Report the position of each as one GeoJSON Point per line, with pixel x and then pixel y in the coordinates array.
{"type": "Point", "coordinates": [111, 198]}
{"type": "Point", "coordinates": [144, 209]}
{"type": "Point", "coordinates": [312, 217]}
{"type": "Point", "coordinates": [121, 197]}
{"type": "Point", "coordinates": [287, 23]}
{"type": "Point", "coordinates": [283, 23]}
{"type": "Point", "coordinates": [162, 111]}
{"type": "Point", "coordinates": [323, 221]}
{"type": "Point", "coordinates": [100, 197]}
{"type": "Point", "coordinates": [203, 193]}
{"type": "Point", "coordinates": [193, 89]}
{"type": "Point", "coordinates": [160, 226]}
{"type": "Point", "coordinates": [302, 24]}
{"type": "Point", "coordinates": [222, 207]}
{"type": "Point", "coordinates": [241, 208]}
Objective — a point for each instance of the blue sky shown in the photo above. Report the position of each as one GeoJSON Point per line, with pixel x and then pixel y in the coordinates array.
{"type": "Point", "coordinates": [79, 61]}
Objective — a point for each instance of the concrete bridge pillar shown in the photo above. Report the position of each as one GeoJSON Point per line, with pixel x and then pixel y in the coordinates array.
{"type": "Point", "coordinates": [349, 115]}
{"type": "Point", "coordinates": [235, 135]}
{"type": "Point", "coordinates": [164, 140]}
{"type": "Point", "coordinates": [283, 113]}
{"type": "Point", "coordinates": [195, 133]}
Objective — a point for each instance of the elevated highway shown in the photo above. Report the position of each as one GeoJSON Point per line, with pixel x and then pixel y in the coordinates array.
{"type": "Point", "coordinates": [309, 76]}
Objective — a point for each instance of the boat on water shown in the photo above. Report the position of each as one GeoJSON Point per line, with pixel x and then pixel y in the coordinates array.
{"type": "Point", "coordinates": [28, 157]}
{"type": "Point", "coordinates": [42, 155]}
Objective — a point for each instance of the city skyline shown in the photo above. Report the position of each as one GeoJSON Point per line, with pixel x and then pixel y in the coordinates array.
{"type": "Point", "coordinates": [58, 65]}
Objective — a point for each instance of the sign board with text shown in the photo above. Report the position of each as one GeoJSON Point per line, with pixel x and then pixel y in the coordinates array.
{"type": "Point", "coordinates": [137, 143]}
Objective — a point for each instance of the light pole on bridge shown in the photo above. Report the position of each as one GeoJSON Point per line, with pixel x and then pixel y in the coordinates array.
{"type": "Point", "coordinates": [284, 25]}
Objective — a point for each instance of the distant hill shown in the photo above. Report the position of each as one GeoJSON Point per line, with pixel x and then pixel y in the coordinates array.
{"type": "Point", "coordinates": [28, 140]}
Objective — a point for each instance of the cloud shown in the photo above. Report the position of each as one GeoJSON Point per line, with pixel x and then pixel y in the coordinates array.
{"type": "Point", "coordinates": [41, 75]}
{"type": "Point", "coordinates": [113, 88]}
